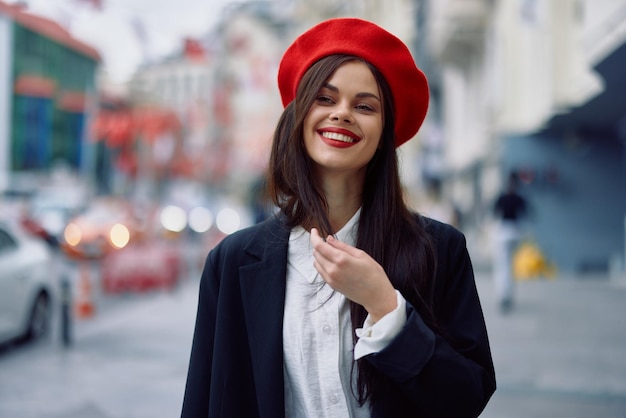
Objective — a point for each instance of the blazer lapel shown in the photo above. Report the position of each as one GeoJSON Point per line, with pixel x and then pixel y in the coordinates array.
{"type": "Point", "coordinates": [263, 283]}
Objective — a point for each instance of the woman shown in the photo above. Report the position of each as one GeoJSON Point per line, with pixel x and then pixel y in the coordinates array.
{"type": "Point", "coordinates": [345, 304]}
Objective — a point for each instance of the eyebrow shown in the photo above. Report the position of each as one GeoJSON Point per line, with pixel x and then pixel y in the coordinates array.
{"type": "Point", "coordinates": [359, 95]}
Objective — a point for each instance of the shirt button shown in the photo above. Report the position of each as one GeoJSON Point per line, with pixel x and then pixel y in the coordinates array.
{"type": "Point", "coordinates": [327, 329]}
{"type": "Point", "coordinates": [334, 399]}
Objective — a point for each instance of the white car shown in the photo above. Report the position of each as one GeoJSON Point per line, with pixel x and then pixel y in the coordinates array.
{"type": "Point", "coordinates": [27, 280]}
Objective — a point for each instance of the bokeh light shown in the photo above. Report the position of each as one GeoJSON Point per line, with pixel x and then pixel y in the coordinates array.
{"type": "Point", "coordinates": [173, 218]}
{"type": "Point", "coordinates": [228, 220]}
{"type": "Point", "coordinates": [72, 234]}
{"type": "Point", "coordinates": [200, 219]}
{"type": "Point", "coordinates": [119, 236]}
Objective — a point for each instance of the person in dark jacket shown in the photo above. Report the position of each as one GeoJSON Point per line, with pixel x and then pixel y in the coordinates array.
{"type": "Point", "coordinates": [510, 209]}
{"type": "Point", "coordinates": [344, 303]}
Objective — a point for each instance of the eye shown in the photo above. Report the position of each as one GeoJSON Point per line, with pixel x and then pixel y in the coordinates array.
{"type": "Point", "coordinates": [365, 107]}
{"type": "Point", "coordinates": [324, 99]}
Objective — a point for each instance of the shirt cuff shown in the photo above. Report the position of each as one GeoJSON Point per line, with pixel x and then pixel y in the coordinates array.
{"type": "Point", "coordinates": [373, 337]}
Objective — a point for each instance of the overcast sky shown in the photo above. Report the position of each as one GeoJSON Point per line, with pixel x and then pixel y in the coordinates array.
{"type": "Point", "coordinates": [127, 31]}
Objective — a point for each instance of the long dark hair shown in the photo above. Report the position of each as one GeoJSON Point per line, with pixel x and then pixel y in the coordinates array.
{"type": "Point", "coordinates": [387, 231]}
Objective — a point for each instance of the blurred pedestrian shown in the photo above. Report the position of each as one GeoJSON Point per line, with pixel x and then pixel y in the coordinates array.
{"type": "Point", "coordinates": [510, 208]}
{"type": "Point", "coordinates": [344, 303]}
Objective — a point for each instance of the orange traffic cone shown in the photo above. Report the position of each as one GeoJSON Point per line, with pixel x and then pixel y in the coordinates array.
{"type": "Point", "coordinates": [84, 306]}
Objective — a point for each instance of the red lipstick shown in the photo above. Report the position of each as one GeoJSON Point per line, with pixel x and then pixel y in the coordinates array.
{"type": "Point", "coordinates": [338, 137]}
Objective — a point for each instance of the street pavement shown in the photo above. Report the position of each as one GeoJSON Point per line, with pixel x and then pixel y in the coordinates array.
{"type": "Point", "coordinates": [127, 361]}
{"type": "Point", "coordinates": [561, 352]}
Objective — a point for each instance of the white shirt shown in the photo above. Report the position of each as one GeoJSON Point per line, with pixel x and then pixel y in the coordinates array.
{"type": "Point", "coordinates": [317, 336]}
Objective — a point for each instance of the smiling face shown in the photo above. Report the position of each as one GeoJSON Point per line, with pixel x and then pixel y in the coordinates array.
{"type": "Point", "coordinates": [343, 127]}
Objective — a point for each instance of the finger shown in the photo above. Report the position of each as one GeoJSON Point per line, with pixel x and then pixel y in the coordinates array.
{"type": "Point", "coordinates": [342, 246]}
{"type": "Point", "coordinates": [320, 248]}
{"type": "Point", "coordinates": [316, 239]}
{"type": "Point", "coordinates": [319, 257]}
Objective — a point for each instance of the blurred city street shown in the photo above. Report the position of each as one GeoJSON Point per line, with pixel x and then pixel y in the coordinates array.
{"type": "Point", "coordinates": [136, 134]}
{"type": "Point", "coordinates": [559, 353]}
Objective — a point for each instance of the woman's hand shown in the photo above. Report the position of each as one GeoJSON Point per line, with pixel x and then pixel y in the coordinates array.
{"type": "Point", "coordinates": [355, 274]}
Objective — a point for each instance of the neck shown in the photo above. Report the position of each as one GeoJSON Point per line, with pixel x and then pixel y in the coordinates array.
{"type": "Point", "coordinates": [344, 197]}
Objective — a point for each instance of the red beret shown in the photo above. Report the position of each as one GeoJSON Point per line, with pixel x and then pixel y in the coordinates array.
{"type": "Point", "coordinates": [366, 40]}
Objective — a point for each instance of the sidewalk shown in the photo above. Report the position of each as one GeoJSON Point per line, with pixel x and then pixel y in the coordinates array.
{"type": "Point", "coordinates": [561, 352]}
{"type": "Point", "coordinates": [128, 361]}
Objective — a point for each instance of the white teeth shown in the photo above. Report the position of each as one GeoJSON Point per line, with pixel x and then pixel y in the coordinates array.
{"type": "Point", "coordinates": [337, 137]}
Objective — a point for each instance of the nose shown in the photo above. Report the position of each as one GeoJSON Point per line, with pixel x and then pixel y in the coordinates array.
{"type": "Point", "coordinates": [341, 113]}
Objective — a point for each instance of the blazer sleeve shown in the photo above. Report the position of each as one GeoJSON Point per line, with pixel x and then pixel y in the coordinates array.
{"type": "Point", "coordinates": [446, 372]}
{"type": "Point", "coordinates": [197, 388]}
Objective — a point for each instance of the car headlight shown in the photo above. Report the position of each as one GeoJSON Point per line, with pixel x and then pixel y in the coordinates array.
{"type": "Point", "coordinates": [119, 236]}
{"type": "Point", "coordinates": [72, 234]}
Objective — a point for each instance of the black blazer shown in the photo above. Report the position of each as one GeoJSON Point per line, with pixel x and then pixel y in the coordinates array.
{"type": "Point", "coordinates": [236, 365]}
